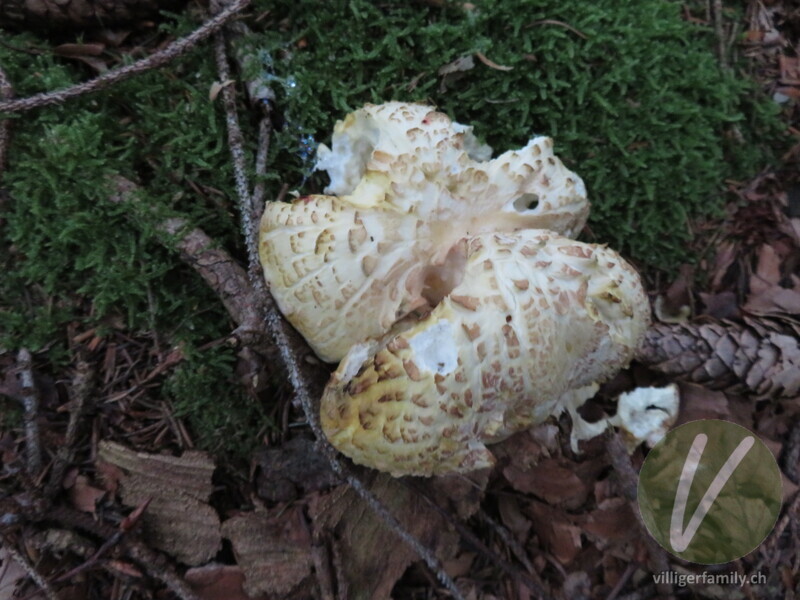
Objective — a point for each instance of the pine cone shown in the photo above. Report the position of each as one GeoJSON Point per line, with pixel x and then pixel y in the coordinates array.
{"type": "Point", "coordinates": [759, 358]}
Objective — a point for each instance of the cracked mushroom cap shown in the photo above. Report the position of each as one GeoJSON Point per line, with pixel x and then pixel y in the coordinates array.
{"type": "Point", "coordinates": [407, 186]}
{"type": "Point", "coordinates": [535, 322]}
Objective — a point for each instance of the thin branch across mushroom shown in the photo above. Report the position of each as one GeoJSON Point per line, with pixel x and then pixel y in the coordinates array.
{"type": "Point", "coordinates": [448, 286]}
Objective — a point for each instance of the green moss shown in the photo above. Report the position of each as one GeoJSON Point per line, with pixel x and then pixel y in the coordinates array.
{"type": "Point", "coordinates": [205, 391]}
{"type": "Point", "coordinates": [631, 93]}
{"type": "Point", "coordinates": [71, 255]}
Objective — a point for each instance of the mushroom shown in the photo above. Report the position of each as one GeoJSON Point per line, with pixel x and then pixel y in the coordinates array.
{"type": "Point", "coordinates": [448, 286]}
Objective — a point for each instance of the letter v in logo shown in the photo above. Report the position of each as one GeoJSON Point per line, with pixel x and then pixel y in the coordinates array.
{"type": "Point", "coordinates": [680, 538]}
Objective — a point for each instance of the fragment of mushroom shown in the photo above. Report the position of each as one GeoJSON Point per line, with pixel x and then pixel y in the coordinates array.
{"type": "Point", "coordinates": [450, 289]}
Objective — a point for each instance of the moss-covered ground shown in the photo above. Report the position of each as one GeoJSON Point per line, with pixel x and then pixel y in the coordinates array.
{"type": "Point", "coordinates": [631, 92]}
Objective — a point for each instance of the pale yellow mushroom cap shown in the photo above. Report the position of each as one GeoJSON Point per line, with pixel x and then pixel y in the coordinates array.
{"type": "Point", "coordinates": [448, 286]}
{"type": "Point", "coordinates": [410, 184]}
{"type": "Point", "coordinates": [536, 317]}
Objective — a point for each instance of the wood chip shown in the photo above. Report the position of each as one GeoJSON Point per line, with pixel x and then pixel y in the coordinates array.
{"type": "Point", "coordinates": [272, 548]}
{"type": "Point", "coordinates": [178, 520]}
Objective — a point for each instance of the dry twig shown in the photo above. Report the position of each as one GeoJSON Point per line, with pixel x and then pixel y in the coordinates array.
{"type": "Point", "coordinates": [154, 564]}
{"type": "Point", "coordinates": [791, 461]}
{"type": "Point", "coordinates": [473, 540]}
{"type": "Point", "coordinates": [40, 581]}
{"type": "Point", "coordinates": [236, 147]}
{"type": "Point", "coordinates": [158, 59]}
{"type": "Point", "coordinates": [30, 405]}
{"type": "Point", "coordinates": [80, 389]}
{"type": "Point", "coordinates": [6, 92]}
{"type": "Point", "coordinates": [287, 346]}
{"type": "Point", "coordinates": [719, 31]}
{"type": "Point", "coordinates": [621, 462]}
{"type": "Point", "coordinates": [264, 131]}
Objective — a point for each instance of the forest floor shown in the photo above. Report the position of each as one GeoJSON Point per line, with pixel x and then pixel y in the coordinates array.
{"type": "Point", "coordinates": [104, 494]}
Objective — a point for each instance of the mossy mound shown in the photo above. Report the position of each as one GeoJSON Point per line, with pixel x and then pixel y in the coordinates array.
{"type": "Point", "coordinates": [72, 256]}
{"type": "Point", "coordinates": [631, 92]}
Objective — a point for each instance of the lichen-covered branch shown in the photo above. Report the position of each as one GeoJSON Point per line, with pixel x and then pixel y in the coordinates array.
{"type": "Point", "coordinates": [259, 190]}
{"type": "Point", "coordinates": [6, 92]}
{"type": "Point", "coordinates": [247, 212]}
{"type": "Point", "coordinates": [37, 578]}
{"type": "Point", "coordinates": [30, 406]}
{"type": "Point", "coordinates": [760, 357]}
{"type": "Point", "coordinates": [285, 340]}
{"type": "Point", "coordinates": [226, 278]}
{"type": "Point", "coordinates": [153, 61]}
{"type": "Point", "coordinates": [154, 563]}
{"type": "Point", "coordinates": [79, 391]}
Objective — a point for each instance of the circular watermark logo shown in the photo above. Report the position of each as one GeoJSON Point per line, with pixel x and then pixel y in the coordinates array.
{"type": "Point", "coordinates": [710, 491]}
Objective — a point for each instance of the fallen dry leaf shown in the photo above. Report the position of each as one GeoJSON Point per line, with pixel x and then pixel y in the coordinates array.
{"type": "Point", "coordinates": [790, 69]}
{"type": "Point", "coordinates": [83, 495]}
{"type": "Point", "coordinates": [87, 53]}
{"type": "Point", "coordinates": [789, 488]}
{"type": "Point", "coordinates": [272, 548]}
{"type": "Point", "coordinates": [375, 558]}
{"type": "Point", "coordinates": [460, 566]}
{"type": "Point", "coordinates": [76, 50]}
{"type": "Point", "coordinates": [453, 71]}
{"type": "Point", "coordinates": [550, 481]}
{"type": "Point", "coordinates": [767, 295]}
{"type": "Point", "coordinates": [523, 449]}
{"type": "Point", "coordinates": [178, 520]}
{"type": "Point", "coordinates": [556, 531]}
{"type": "Point", "coordinates": [675, 304]}
{"type": "Point", "coordinates": [218, 582]}
{"type": "Point", "coordinates": [723, 305]}
{"type": "Point", "coordinates": [701, 403]}
{"type": "Point", "coordinates": [512, 517]}
{"type": "Point", "coordinates": [610, 522]}
{"type": "Point", "coordinates": [725, 258]}
{"type": "Point", "coordinates": [109, 476]}
{"type": "Point", "coordinates": [460, 494]}
{"type": "Point", "coordinates": [462, 63]}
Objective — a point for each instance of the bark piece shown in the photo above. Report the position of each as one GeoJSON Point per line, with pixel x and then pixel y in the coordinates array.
{"type": "Point", "coordinates": [272, 548]}
{"type": "Point", "coordinates": [178, 520]}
